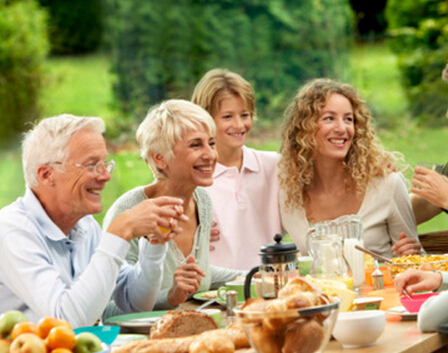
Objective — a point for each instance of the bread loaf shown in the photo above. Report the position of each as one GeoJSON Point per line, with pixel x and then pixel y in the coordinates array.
{"type": "Point", "coordinates": [181, 323]}
{"type": "Point", "coordinates": [207, 340]}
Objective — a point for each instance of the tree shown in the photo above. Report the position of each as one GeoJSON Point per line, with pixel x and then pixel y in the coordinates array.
{"type": "Point", "coordinates": [161, 49]}
{"type": "Point", "coordinates": [420, 36]}
{"type": "Point", "coordinates": [23, 48]}
{"type": "Point", "coordinates": [75, 26]}
{"type": "Point", "coordinates": [370, 16]}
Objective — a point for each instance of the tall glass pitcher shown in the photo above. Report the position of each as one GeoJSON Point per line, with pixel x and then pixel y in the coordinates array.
{"type": "Point", "coordinates": [350, 229]}
{"type": "Point", "coordinates": [328, 261]}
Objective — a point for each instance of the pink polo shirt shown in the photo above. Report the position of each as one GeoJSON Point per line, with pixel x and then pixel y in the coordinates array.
{"type": "Point", "coordinates": [246, 208]}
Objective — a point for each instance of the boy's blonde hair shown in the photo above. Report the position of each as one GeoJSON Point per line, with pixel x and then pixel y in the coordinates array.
{"type": "Point", "coordinates": [219, 84]}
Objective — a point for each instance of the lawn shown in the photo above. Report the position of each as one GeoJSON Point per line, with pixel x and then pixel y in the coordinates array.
{"type": "Point", "coordinates": [82, 86]}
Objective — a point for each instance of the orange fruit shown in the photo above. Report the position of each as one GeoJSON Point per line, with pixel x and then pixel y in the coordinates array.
{"type": "Point", "coordinates": [45, 325]}
{"type": "Point", "coordinates": [61, 350]}
{"type": "Point", "coordinates": [61, 337]}
{"type": "Point", "coordinates": [23, 327]}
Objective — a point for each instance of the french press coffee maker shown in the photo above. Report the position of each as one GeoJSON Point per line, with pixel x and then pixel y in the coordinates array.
{"type": "Point", "coordinates": [279, 264]}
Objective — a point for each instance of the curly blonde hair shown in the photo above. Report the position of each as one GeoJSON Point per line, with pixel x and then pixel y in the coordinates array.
{"type": "Point", "coordinates": [365, 160]}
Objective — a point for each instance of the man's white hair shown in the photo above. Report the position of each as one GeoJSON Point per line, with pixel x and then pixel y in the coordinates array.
{"type": "Point", "coordinates": [47, 142]}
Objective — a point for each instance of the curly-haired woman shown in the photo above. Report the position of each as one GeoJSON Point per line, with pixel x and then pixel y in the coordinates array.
{"type": "Point", "coordinates": [332, 164]}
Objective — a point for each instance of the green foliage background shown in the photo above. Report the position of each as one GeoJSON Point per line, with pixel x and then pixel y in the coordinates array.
{"type": "Point", "coordinates": [162, 48]}
{"type": "Point", "coordinates": [23, 49]}
{"type": "Point", "coordinates": [419, 30]}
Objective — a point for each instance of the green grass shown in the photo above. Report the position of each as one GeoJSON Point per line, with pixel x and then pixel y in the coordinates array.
{"type": "Point", "coordinates": [79, 85]}
{"type": "Point", "coordinates": [82, 86]}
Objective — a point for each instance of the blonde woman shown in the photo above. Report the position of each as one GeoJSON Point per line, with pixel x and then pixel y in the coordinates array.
{"type": "Point", "coordinates": [177, 141]}
{"type": "Point", "coordinates": [332, 164]}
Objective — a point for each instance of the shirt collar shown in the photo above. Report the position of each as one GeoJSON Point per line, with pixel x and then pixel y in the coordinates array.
{"type": "Point", "coordinates": [48, 227]}
{"type": "Point", "coordinates": [250, 163]}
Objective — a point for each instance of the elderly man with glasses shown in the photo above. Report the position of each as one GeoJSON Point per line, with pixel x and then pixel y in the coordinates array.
{"type": "Point", "coordinates": [54, 258]}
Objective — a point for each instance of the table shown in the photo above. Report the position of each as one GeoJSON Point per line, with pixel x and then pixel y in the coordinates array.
{"type": "Point", "coordinates": [398, 337]}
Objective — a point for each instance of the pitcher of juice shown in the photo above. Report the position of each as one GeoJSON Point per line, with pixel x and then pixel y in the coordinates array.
{"type": "Point", "coordinates": [328, 261]}
{"type": "Point", "coordinates": [350, 228]}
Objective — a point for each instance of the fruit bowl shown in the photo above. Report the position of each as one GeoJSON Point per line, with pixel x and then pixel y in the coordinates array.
{"type": "Point", "coordinates": [413, 305]}
{"type": "Point", "coordinates": [106, 333]}
{"type": "Point", "coordinates": [286, 330]}
{"type": "Point", "coordinates": [422, 262]}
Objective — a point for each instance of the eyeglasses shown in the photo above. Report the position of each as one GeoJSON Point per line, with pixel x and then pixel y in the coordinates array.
{"type": "Point", "coordinates": [98, 168]}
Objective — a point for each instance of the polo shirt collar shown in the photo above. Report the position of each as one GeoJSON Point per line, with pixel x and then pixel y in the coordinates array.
{"type": "Point", "coordinates": [47, 226]}
{"type": "Point", "coordinates": [250, 163]}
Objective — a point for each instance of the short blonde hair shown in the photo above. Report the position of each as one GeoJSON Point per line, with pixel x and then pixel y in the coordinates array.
{"type": "Point", "coordinates": [219, 84]}
{"type": "Point", "coordinates": [165, 125]}
{"type": "Point", "coordinates": [365, 159]}
{"type": "Point", "coordinates": [47, 142]}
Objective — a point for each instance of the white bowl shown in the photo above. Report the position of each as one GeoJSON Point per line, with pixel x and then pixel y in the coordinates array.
{"type": "Point", "coordinates": [359, 328]}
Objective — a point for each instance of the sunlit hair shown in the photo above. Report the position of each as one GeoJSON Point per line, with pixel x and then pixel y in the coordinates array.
{"type": "Point", "coordinates": [220, 84]}
{"type": "Point", "coordinates": [445, 73]}
{"type": "Point", "coordinates": [165, 125]}
{"type": "Point", "coordinates": [365, 159]}
{"type": "Point", "coordinates": [47, 142]}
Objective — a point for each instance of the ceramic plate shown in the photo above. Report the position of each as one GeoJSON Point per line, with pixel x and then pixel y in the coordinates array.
{"type": "Point", "coordinates": [401, 311]}
{"type": "Point", "coordinates": [123, 338]}
{"type": "Point", "coordinates": [136, 322]}
{"type": "Point", "coordinates": [205, 296]}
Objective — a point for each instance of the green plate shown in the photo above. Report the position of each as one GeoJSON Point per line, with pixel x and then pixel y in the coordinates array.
{"type": "Point", "coordinates": [200, 296]}
{"type": "Point", "coordinates": [136, 322]}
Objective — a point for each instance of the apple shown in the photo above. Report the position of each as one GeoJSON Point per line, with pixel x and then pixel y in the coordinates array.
{"type": "Point", "coordinates": [4, 345]}
{"type": "Point", "coordinates": [28, 343]}
{"type": "Point", "coordinates": [87, 342]}
{"type": "Point", "coordinates": [7, 321]}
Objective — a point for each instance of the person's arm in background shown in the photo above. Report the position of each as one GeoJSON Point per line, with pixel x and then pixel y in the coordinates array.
{"type": "Point", "coordinates": [432, 187]}
{"type": "Point", "coordinates": [423, 209]}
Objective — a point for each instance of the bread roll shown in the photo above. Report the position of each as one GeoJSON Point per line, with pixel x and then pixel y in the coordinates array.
{"type": "Point", "coordinates": [211, 344]}
{"type": "Point", "coordinates": [181, 323]}
{"type": "Point", "coordinates": [303, 336]}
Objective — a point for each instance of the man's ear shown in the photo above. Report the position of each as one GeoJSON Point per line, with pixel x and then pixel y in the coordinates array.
{"type": "Point", "coordinates": [45, 174]}
{"type": "Point", "coordinates": [159, 160]}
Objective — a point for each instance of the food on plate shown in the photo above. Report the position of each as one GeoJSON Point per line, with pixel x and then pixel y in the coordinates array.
{"type": "Point", "coordinates": [422, 262]}
{"type": "Point", "coordinates": [275, 326]}
{"type": "Point", "coordinates": [212, 344]}
{"type": "Point", "coordinates": [207, 340]}
{"type": "Point", "coordinates": [210, 294]}
{"type": "Point", "coordinates": [334, 288]}
{"type": "Point", "coordinates": [180, 323]}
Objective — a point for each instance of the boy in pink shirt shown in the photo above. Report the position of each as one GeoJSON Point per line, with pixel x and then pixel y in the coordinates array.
{"type": "Point", "coordinates": [245, 185]}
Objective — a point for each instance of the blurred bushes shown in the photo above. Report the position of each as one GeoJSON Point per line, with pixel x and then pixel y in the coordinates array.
{"type": "Point", "coordinates": [23, 48]}
{"type": "Point", "coordinates": [75, 26]}
{"type": "Point", "coordinates": [162, 48]}
{"type": "Point", "coordinates": [419, 30]}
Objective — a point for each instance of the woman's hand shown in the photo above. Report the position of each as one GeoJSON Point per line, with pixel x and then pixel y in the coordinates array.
{"type": "Point", "coordinates": [157, 219]}
{"type": "Point", "coordinates": [430, 185]}
{"type": "Point", "coordinates": [416, 280]}
{"type": "Point", "coordinates": [406, 246]}
{"type": "Point", "coordinates": [187, 279]}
